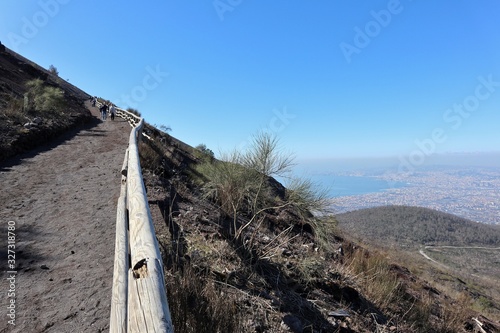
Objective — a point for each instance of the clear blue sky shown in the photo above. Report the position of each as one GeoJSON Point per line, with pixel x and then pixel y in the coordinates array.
{"type": "Point", "coordinates": [333, 79]}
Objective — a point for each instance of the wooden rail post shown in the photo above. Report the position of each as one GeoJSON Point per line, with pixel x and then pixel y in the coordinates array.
{"type": "Point", "coordinates": [119, 300]}
{"type": "Point", "coordinates": [148, 305]}
{"type": "Point", "coordinates": [139, 302]}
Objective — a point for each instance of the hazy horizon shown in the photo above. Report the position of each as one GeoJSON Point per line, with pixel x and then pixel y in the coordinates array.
{"type": "Point", "coordinates": [473, 159]}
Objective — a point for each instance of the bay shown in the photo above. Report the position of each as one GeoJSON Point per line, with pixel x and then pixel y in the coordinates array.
{"type": "Point", "coordinates": [340, 185]}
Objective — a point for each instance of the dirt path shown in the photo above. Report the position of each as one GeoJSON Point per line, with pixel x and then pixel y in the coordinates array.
{"type": "Point", "coordinates": [426, 256]}
{"type": "Point", "coordinates": [62, 202]}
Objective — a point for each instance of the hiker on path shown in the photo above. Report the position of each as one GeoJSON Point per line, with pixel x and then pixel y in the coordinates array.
{"type": "Point", "coordinates": [112, 112]}
{"type": "Point", "coordinates": [104, 111]}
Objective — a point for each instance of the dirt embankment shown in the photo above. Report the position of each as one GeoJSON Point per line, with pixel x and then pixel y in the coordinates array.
{"type": "Point", "coordinates": [62, 201]}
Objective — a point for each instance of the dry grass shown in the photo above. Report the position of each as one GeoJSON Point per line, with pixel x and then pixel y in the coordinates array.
{"type": "Point", "coordinates": [325, 230]}
{"type": "Point", "coordinates": [14, 109]}
{"type": "Point", "coordinates": [372, 273]}
{"type": "Point", "coordinates": [454, 278]}
{"type": "Point", "coordinates": [410, 303]}
{"type": "Point", "coordinates": [455, 315]}
{"type": "Point", "coordinates": [150, 159]}
{"type": "Point", "coordinates": [198, 304]}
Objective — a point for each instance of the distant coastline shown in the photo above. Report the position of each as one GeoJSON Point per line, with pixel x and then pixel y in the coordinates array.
{"type": "Point", "coordinates": [342, 185]}
{"type": "Point", "coordinates": [472, 193]}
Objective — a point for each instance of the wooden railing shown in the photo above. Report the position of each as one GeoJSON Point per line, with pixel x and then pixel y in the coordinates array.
{"type": "Point", "coordinates": [139, 302]}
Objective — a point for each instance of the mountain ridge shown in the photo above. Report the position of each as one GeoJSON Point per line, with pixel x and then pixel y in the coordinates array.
{"type": "Point", "coordinates": [410, 225]}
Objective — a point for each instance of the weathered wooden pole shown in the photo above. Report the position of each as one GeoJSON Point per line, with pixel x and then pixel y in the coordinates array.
{"type": "Point", "coordinates": [148, 306]}
{"type": "Point", "coordinates": [119, 300]}
{"type": "Point", "coordinates": [139, 301]}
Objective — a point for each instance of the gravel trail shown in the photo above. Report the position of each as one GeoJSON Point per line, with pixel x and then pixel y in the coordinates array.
{"type": "Point", "coordinates": [62, 201]}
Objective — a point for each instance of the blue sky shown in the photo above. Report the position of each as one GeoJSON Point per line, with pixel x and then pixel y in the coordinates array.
{"type": "Point", "coordinates": [332, 79]}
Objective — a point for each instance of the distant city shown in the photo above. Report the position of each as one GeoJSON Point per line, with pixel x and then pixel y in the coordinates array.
{"type": "Point", "coordinates": [472, 193]}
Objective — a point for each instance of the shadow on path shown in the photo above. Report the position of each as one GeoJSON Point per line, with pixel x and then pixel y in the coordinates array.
{"type": "Point", "coordinates": [88, 126]}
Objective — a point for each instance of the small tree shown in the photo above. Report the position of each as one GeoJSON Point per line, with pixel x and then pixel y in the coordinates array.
{"type": "Point", "coordinates": [53, 70]}
{"type": "Point", "coordinates": [205, 150]}
{"type": "Point", "coordinates": [134, 111]}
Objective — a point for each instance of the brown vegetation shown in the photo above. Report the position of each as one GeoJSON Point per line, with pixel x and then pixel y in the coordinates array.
{"type": "Point", "coordinates": [464, 253]}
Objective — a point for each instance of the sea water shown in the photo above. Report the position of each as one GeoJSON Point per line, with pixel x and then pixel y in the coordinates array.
{"type": "Point", "coordinates": [339, 186]}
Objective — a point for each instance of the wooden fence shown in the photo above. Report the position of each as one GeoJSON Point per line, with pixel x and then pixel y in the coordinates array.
{"type": "Point", "coordinates": [139, 302]}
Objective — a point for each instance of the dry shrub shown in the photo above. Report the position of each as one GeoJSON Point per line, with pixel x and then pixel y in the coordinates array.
{"type": "Point", "coordinates": [372, 273]}
{"type": "Point", "coordinates": [241, 184]}
{"type": "Point", "coordinates": [150, 159]}
{"type": "Point", "coordinates": [134, 111]}
{"type": "Point", "coordinates": [325, 231]}
{"type": "Point", "coordinates": [420, 313]}
{"type": "Point", "coordinates": [14, 109]}
{"type": "Point", "coordinates": [454, 316]}
{"type": "Point", "coordinates": [198, 304]}
{"type": "Point", "coordinates": [229, 184]}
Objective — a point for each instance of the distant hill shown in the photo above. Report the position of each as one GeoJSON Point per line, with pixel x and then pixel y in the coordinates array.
{"type": "Point", "coordinates": [405, 226]}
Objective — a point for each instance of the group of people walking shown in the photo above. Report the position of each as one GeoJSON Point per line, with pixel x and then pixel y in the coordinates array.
{"type": "Point", "coordinates": [107, 108]}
